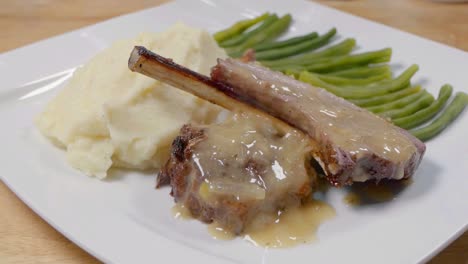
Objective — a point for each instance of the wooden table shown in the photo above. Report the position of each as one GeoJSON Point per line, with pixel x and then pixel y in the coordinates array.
{"type": "Point", "coordinates": [26, 238]}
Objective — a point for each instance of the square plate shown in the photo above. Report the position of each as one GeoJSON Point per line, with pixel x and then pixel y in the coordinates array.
{"type": "Point", "coordinates": [124, 220]}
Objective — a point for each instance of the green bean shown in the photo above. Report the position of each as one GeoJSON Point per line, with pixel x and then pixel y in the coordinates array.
{"type": "Point", "coordinates": [287, 51]}
{"type": "Point", "coordinates": [422, 102]}
{"type": "Point", "coordinates": [342, 48]}
{"type": "Point", "coordinates": [342, 81]}
{"type": "Point", "coordinates": [238, 28]}
{"type": "Point", "coordinates": [239, 39]}
{"type": "Point", "coordinates": [306, 45]}
{"type": "Point", "coordinates": [335, 63]}
{"type": "Point", "coordinates": [324, 65]}
{"type": "Point", "coordinates": [397, 104]}
{"type": "Point", "coordinates": [441, 122]}
{"type": "Point", "coordinates": [427, 113]}
{"type": "Point", "coordinates": [270, 32]}
{"type": "Point", "coordinates": [362, 72]}
{"type": "Point", "coordinates": [359, 92]}
{"type": "Point", "coordinates": [284, 43]}
{"type": "Point", "coordinates": [386, 98]}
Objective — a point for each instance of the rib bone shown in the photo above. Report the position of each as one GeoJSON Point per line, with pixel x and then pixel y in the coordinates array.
{"type": "Point", "coordinates": [157, 67]}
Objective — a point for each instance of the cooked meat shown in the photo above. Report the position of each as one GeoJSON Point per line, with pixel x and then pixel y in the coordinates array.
{"type": "Point", "coordinates": [350, 143]}
{"type": "Point", "coordinates": [353, 144]}
{"type": "Point", "coordinates": [236, 171]}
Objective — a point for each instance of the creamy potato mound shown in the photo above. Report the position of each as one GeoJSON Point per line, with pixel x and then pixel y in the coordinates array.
{"type": "Point", "coordinates": [109, 116]}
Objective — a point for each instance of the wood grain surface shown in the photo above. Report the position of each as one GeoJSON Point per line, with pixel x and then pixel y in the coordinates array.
{"type": "Point", "coordinates": [26, 238]}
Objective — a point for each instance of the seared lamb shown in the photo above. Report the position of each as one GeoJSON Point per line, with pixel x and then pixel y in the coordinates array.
{"type": "Point", "coordinates": [237, 171]}
{"type": "Point", "coordinates": [354, 144]}
{"type": "Point", "coordinates": [350, 143]}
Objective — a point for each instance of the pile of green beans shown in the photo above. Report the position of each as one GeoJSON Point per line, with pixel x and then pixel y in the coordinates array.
{"type": "Point", "coordinates": [445, 118]}
{"type": "Point", "coordinates": [284, 43]}
{"type": "Point", "coordinates": [362, 72]}
{"type": "Point", "coordinates": [364, 79]}
{"type": "Point", "coordinates": [362, 91]}
{"type": "Point", "coordinates": [271, 28]}
{"type": "Point", "coordinates": [426, 114]}
{"type": "Point", "coordinates": [386, 98]}
{"type": "Point", "coordinates": [238, 28]}
{"type": "Point", "coordinates": [343, 81]}
{"type": "Point", "coordinates": [300, 47]}
{"type": "Point", "coordinates": [342, 48]}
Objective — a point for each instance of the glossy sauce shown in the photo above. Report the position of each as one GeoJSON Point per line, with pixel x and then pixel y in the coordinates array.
{"type": "Point", "coordinates": [218, 232]}
{"type": "Point", "coordinates": [291, 227]}
{"type": "Point", "coordinates": [249, 159]}
{"type": "Point", "coordinates": [180, 212]}
{"type": "Point", "coordinates": [294, 226]}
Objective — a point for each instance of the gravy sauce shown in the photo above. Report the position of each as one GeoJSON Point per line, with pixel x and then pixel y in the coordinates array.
{"type": "Point", "coordinates": [248, 158]}
{"type": "Point", "coordinates": [179, 211]}
{"type": "Point", "coordinates": [220, 233]}
{"type": "Point", "coordinates": [294, 226]}
{"type": "Point", "coordinates": [291, 227]}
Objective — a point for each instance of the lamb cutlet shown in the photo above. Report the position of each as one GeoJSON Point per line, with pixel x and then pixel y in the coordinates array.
{"type": "Point", "coordinates": [353, 144]}
{"type": "Point", "coordinates": [350, 143]}
{"type": "Point", "coordinates": [239, 173]}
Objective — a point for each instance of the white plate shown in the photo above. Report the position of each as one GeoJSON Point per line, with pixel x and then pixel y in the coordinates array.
{"type": "Point", "coordinates": [124, 220]}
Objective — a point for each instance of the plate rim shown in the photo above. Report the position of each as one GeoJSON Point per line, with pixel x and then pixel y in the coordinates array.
{"type": "Point", "coordinates": [96, 254]}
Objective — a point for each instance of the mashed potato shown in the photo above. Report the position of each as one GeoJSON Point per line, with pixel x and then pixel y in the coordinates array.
{"type": "Point", "coordinates": [109, 116]}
